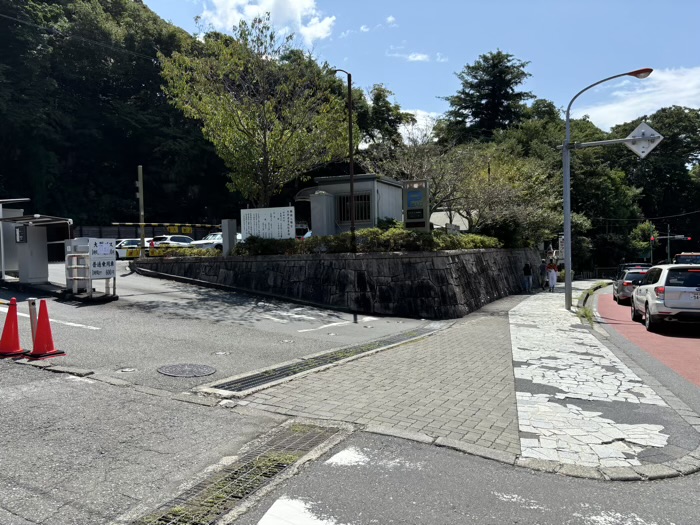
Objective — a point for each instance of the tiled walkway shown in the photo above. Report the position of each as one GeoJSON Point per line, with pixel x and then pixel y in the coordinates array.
{"type": "Point", "coordinates": [457, 384]}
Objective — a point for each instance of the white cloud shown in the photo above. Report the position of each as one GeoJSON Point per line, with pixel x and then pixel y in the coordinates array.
{"type": "Point", "coordinates": [420, 131]}
{"type": "Point", "coordinates": [439, 57]}
{"type": "Point", "coordinates": [347, 33]}
{"type": "Point", "coordinates": [391, 21]}
{"type": "Point", "coordinates": [364, 28]}
{"type": "Point", "coordinates": [418, 57]}
{"type": "Point", "coordinates": [411, 57]}
{"type": "Point", "coordinates": [299, 16]}
{"type": "Point", "coordinates": [633, 98]}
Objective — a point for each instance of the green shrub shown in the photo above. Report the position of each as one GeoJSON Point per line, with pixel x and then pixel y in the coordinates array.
{"type": "Point", "coordinates": [181, 251]}
{"type": "Point", "coordinates": [368, 240]}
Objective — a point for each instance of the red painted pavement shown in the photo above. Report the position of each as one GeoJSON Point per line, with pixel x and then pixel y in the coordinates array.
{"type": "Point", "coordinates": [678, 347]}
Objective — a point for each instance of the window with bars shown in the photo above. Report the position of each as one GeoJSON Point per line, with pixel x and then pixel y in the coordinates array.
{"type": "Point", "coordinates": [362, 208]}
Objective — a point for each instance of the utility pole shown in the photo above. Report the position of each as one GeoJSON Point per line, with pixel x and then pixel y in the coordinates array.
{"type": "Point", "coordinates": [139, 185]}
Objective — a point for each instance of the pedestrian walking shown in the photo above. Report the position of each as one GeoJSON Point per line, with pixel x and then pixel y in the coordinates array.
{"type": "Point", "coordinates": [527, 272]}
{"type": "Point", "coordinates": [543, 274]}
{"type": "Point", "coordinates": [552, 273]}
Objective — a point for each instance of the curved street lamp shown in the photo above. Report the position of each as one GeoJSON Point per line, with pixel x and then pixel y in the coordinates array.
{"type": "Point", "coordinates": [566, 158]}
{"type": "Point", "coordinates": [350, 155]}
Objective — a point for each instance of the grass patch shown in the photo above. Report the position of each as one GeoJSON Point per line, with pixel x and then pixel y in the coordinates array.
{"type": "Point", "coordinates": [586, 313]}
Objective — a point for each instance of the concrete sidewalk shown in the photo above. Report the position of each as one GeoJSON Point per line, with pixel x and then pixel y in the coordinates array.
{"type": "Point", "coordinates": [522, 381]}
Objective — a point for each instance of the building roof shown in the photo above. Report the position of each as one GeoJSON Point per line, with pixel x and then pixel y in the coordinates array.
{"type": "Point", "coordinates": [37, 220]}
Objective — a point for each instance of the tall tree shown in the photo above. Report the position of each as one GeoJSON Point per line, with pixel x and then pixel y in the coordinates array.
{"type": "Point", "coordinates": [488, 99]}
{"type": "Point", "coordinates": [269, 118]}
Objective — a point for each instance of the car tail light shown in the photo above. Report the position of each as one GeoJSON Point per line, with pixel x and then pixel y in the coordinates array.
{"type": "Point", "coordinates": [626, 283]}
{"type": "Point", "coordinates": [660, 291]}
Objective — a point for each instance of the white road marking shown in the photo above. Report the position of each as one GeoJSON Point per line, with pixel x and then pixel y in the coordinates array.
{"type": "Point", "coordinates": [287, 511]}
{"type": "Point", "coordinates": [353, 456]}
{"type": "Point", "coordinates": [523, 502]}
{"type": "Point", "coordinates": [283, 321]}
{"type": "Point", "coordinates": [615, 518]}
{"type": "Point", "coordinates": [289, 314]}
{"type": "Point", "coordinates": [349, 456]}
{"type": "Point", "coordinates": [341, 323]}
{"type": "Point", "coordinates": [66, 323]}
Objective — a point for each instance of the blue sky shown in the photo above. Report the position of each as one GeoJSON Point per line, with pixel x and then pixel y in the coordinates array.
{"type": "Point", "coordinates": [415, 47]}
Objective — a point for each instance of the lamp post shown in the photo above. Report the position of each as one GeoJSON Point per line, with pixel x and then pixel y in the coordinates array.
{"type": "Point", "coordinates": [566, 159]}
{"type": "Point", "coordinates": [350, 155]}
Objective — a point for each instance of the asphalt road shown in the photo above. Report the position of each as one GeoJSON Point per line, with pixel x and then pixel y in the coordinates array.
{"type": "Point", "coordinates": [371, 479]}
{"type": "Point", "coordinates": [158, 322]}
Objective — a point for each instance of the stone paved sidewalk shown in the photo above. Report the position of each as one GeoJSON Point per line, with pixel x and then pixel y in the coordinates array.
{"type": "Point", "coordinates": [522, 379]}
{"type": "Point", "coordinates": [457, 384]}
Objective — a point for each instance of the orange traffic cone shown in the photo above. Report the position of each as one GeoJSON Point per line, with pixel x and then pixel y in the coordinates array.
{"type": "Point", "coordinates": [43, 341]}
{"type": "Point", "coordinates": [9, 343]}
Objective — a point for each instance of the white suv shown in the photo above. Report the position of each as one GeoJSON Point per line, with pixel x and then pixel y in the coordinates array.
{"type": "Point", "coordinates": [668, 292]}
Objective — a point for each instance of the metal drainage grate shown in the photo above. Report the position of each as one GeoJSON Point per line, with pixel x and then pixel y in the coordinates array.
{"type": "Point", "coordinates": [209, 500]}
{"type": "Point", "coordinates": [187, 370]}
{"type": "Point", "coordinates": [274, 374]}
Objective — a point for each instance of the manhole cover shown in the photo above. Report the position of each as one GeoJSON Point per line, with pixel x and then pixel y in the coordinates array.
{"type": "Point", "coordinates": [187, 370]}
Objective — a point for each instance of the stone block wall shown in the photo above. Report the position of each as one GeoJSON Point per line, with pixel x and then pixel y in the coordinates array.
{"type": "Point", "coordinates": [441, 285]}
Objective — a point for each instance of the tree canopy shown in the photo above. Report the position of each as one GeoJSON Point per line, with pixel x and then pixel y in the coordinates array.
{"type": "Point", "coordinates": [488, 99]}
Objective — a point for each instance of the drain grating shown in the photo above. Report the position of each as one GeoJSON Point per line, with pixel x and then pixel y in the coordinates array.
{"type": "Point", "coordinates": [274, 374]}
{"type": "Point", "coordinates": [209, 500]}
{"type": "Point", "coordinates": [187, 370]}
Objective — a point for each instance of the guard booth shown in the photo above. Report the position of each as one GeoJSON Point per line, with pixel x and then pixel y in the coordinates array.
{"type": "Point", "coordinates": [27, 248]}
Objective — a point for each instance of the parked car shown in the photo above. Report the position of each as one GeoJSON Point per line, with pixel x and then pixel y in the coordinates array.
{"type": "Point", "coordinates": [213, 240]}
{"type": "Point", "coordinates": [668, 293]}
{"type": "Point", "coordinates": [171, 240]}
{"type": "Point", "coordinates": [125, 245]}
{"type": "Point", "coordinates": [626, 282]}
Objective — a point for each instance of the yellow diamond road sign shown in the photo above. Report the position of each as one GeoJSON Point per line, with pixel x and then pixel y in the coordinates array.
{"type": "Point", "coordinates": [647, 140]}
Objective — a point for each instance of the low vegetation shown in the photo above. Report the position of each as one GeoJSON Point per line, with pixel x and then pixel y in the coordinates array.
{"type": "Point", "coordinates": [396, 239]}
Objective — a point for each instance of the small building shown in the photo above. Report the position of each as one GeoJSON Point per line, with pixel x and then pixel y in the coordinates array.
{"type": "Point", "coordinates": [376, 198]}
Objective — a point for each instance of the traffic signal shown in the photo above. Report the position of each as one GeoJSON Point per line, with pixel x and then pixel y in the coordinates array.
{"type": "Point", "coordinates": [652, 239]}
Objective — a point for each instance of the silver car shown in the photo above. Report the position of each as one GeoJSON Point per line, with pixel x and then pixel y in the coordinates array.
{"type": "Point", "coordinates": [624, 285]}
{"type": "Point", "coordinates": [668, 293]}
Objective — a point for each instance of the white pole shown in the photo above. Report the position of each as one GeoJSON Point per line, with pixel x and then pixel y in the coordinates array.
{"type": "Point", "coordinates": [2, 246]}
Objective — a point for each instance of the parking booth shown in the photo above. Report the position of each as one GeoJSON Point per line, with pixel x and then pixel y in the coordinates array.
{"type": "Point", "coordinates": [28, 249]}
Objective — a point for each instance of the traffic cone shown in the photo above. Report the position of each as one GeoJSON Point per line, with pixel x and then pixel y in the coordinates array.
{"type": "Point", "coordinates": [9, 343]}
{"type": "Point", "coordinates": [43, 341]}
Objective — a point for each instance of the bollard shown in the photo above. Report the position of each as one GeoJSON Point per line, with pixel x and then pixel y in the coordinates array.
{"type": "Point", "coordinates": [354, 318]}
{"type": "Point", "coordinates": [32, 316]}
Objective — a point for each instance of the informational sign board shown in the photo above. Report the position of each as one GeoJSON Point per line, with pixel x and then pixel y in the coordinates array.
{"type": "Point", "coordinates": [103, 258]}
{"type": "Point", "coordinates": [20, 234]}
{"type": "Point", "coordinates": [416, 205]}
{"type": "Point", "coordinates": [268, 223]}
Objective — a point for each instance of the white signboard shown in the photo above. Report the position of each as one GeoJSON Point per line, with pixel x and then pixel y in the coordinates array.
{"type": "Point", "coordinates": [268, 223]}
{"type": "Point", "coordinates": [103, 259]}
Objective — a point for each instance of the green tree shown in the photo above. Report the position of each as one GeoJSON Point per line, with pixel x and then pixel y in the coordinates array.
{"type": "Point", "coordinates": [667, 176]}
{"type": "Point", "coordinates": [269, 119]}
{"type": "Point", "coordinates": [488, 99]}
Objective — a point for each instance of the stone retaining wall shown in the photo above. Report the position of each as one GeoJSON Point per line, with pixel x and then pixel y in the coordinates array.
{"type": "Point", "coordinates": [442, 285]}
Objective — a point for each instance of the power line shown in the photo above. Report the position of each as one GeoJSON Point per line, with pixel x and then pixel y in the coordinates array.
{"type": "Point", "coordinates": [54, 31]}
{"type": "Point", "coordinates": [647, 218]}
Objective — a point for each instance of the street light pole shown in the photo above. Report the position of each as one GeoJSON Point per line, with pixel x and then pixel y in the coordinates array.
{"type": "Point", "coordinates": [566, 160]}
{"type": "Point", "coordinates": [350, 156]}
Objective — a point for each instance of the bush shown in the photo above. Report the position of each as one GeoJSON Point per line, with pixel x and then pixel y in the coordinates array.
{"type": "Point", "coordinates": [179, 251]}
{"type": "Point", "coordinates": [367, 240]}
